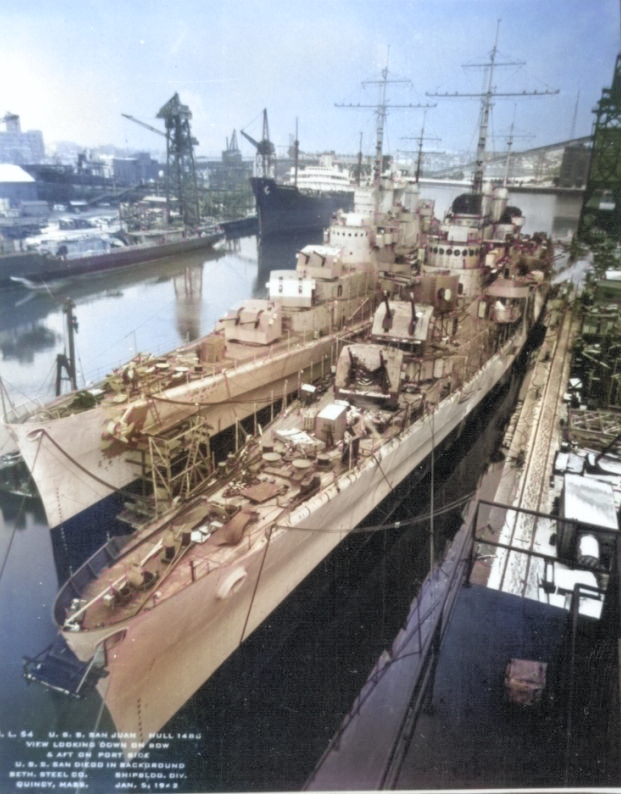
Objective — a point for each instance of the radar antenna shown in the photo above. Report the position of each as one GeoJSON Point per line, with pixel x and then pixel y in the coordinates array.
{"type": "Point", "coordinates": [486, 104]}
{"type": "Point", "coordinates": [381, 112]}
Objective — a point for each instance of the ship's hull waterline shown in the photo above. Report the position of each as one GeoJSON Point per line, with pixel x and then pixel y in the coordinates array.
{"type": "Point", "coordinates": [165, 654]}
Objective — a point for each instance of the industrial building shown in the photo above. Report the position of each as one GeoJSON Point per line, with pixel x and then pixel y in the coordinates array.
{"type": "Point", "coordinates": [17, 147]}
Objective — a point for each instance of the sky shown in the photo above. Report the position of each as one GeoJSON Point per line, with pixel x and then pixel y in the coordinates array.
{"type": "Point", "coordinates": [70, 68]}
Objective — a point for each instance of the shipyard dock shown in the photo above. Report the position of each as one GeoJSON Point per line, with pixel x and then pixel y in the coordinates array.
{"type": "Point", "coordinates": [439, 710]}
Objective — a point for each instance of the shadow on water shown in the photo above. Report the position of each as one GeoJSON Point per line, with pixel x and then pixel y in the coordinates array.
{"type": "Point", "coordinates": [24, 307]}
{"type": "Point", "coordinates": [28, 584]}
{"type": "Point", "coordinates": [279, 253]}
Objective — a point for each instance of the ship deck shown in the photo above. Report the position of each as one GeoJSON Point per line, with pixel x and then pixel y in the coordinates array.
{"type": "Point", "coordinates": [259, 487]}
{"type": "Point", "coordinates": [233, 512]}
{"type": "Point", "coordinates": [191, 366]}
{"type": "Point", "coordinates": [462, 731]}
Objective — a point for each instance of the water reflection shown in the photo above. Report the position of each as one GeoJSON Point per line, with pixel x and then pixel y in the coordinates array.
{"type": "Point", "coordinates": [21, 344]}
{"type": "Point", "coordinates": [188, 296]}
{"type": "Point", "coordinates": [267, 715]}
{"type": "Point", "coordinates": [279, 254]}
{"type": "Point", "coordinates": [149, 308]}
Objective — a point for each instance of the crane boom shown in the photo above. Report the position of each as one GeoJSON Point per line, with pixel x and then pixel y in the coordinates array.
{"type": "Point", "coordinates": [180, 170]}
{"type": "Point", "coordinates": [143, 124]}
{"type": "Point", "coordinates": [265, 149]}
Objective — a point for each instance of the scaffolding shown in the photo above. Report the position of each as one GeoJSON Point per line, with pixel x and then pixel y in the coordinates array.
{"type": "Point", "coordinates": [175, 463]}
{"type": "Point", "coordinates": [601, 209]}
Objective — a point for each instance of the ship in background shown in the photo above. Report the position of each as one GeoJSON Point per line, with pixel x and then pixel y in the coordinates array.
{"type": "Point", "coordinates": [176, 227]}
{"type": "Point", "coordinates": [88, 445]}
{"type": "Point", "coordinates": [59, 222]}
{"type": "Point", "coordinates": [305, 203]}
{"type": "Point", "coordinates": [160, 612]}
{"type": "Point", "coordinates": [72, 255]}
{"type": "Point", "coordinates": [452, 321]}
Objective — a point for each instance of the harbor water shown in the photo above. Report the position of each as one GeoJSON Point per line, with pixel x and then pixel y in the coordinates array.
{"type": "Point", "coordinates": [262, 720]}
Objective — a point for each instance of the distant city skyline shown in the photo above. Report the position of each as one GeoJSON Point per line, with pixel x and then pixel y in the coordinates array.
{"type": "Point", "coordinates": [72, 68]}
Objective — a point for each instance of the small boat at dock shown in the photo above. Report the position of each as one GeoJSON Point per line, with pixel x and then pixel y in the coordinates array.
{"type": "Point", "coordinates": [74, 258]}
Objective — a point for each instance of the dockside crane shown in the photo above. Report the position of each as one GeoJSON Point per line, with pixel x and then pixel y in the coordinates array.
{"type": "Point", "coordinates": [265, 150]}
{"type": "Point", "coordinates": [144, 124]}
{"type": "Point", "coordinates": [180, 166]}
{"type": "Point", "coordinates": [601, 208]}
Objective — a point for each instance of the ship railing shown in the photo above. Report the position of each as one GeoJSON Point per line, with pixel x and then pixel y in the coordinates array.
{"type": "Point", "coordinates": [191, 568]}
{"type": "Point", "coordinates": [207, 369]}
{"type": "Point", "coordinates": [293, 341]}
{"type": "Point", "coordinates": [521, 567]}
{"type": "Point", "coordinates": [12, 413]}
{"type": "Point", "coordinates": [17, 414]}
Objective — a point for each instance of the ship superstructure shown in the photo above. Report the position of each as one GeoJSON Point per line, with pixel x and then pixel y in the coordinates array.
{"type": "Point", "coordinates": [85, 446]}
{"type": "Point", "coordinates": [163, 611]}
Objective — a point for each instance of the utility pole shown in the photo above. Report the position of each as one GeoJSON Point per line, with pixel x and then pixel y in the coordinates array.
{"type": "Point", "coordinates": [62, 360]}
{"type": "Point", "coordinates": [487, 98]}
{"type": "Point", "coordinates": [510, 138]}
{"type": "Point", "coordinates": [296, 155]}
{"type": "Point", "coordinates": [359, 171]}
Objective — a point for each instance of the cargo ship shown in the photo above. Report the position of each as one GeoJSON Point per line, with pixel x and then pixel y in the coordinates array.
{"type": "Point", "coordinates": [306, 201]}
{"type": "Point", "coordinates": [305, 206]}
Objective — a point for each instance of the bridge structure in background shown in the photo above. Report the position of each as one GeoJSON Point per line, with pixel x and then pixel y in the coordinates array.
{"type": "Point", "coordinates": [518, 160]}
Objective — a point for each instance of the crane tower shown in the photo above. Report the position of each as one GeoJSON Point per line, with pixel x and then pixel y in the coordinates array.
{"type": "Point", "coordinates": [180, 168]}
{"type": "Point", "coordinates": [601, 208]}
